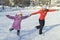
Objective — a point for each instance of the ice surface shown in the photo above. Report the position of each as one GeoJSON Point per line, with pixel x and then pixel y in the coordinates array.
{"type": "Point", "coordinates": [51, 29]}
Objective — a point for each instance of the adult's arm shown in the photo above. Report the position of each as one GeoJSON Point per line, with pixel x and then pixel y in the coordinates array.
{"type": "Point", "coordinates": [35, 12]}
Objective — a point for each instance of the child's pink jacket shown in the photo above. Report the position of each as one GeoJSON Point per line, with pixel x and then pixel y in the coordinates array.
{"type": "Point", "coordinates": [17, 21]}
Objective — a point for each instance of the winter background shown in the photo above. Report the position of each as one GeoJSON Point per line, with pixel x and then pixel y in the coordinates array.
{"type": "Point", "coordinates": [51, 29]}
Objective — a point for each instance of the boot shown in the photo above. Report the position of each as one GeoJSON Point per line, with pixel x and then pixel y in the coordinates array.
{"type": "Point", "coordinates": [11, 29]}
{"type": "Point", "coordinates": [18, 32]}
{"type": "Point", "coordinates": [40, 31]}
{"type": "Point", "coordinates": [37, 27]}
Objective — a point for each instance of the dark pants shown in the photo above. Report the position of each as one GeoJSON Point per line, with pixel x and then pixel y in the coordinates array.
{"type": "Point", "coordinates": [18, 31]}
{"type": "Point", "coordinates": [40, 27]}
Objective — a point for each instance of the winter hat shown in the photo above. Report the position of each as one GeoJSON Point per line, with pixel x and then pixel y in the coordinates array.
{"type": "Point", "coordinates": [19, 13]}
{"type": "Point", "coordinates": [45, 7]}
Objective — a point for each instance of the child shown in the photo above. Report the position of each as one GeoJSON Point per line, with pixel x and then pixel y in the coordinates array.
{"type": "Point", "coordinates": [17, 22]}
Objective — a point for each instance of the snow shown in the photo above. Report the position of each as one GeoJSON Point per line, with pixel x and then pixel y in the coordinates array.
{"type": "Point", "coordinates": [28, 30]}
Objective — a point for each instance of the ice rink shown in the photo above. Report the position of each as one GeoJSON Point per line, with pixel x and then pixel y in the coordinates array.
{"type": "Point", "coordinates": [51, 29]}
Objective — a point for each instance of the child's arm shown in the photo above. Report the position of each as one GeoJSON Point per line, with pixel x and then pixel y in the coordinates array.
{"type": "Point", "coordinates": [24, 17]}
{"type": "Point", "coordinates": [11, 17]}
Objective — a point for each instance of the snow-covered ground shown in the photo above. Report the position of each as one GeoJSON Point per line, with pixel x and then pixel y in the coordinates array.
{"type": "Point", "coordinates": [51, 29]}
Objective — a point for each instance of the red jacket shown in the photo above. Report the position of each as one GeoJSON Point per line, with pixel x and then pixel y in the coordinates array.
{"type": "Point", "coordinates": [42, 13]}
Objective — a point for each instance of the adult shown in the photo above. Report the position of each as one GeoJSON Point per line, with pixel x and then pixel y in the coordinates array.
{"type": "Point", "coordinates": [42, 12]}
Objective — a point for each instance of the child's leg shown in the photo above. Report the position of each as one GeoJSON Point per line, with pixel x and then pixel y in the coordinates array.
{"type": "Point", "coordinates": [11, 29]}
{"type": "Point", "coordinates": [42, 23]}
{"type": "Point", "coordinates": [18, 32]}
